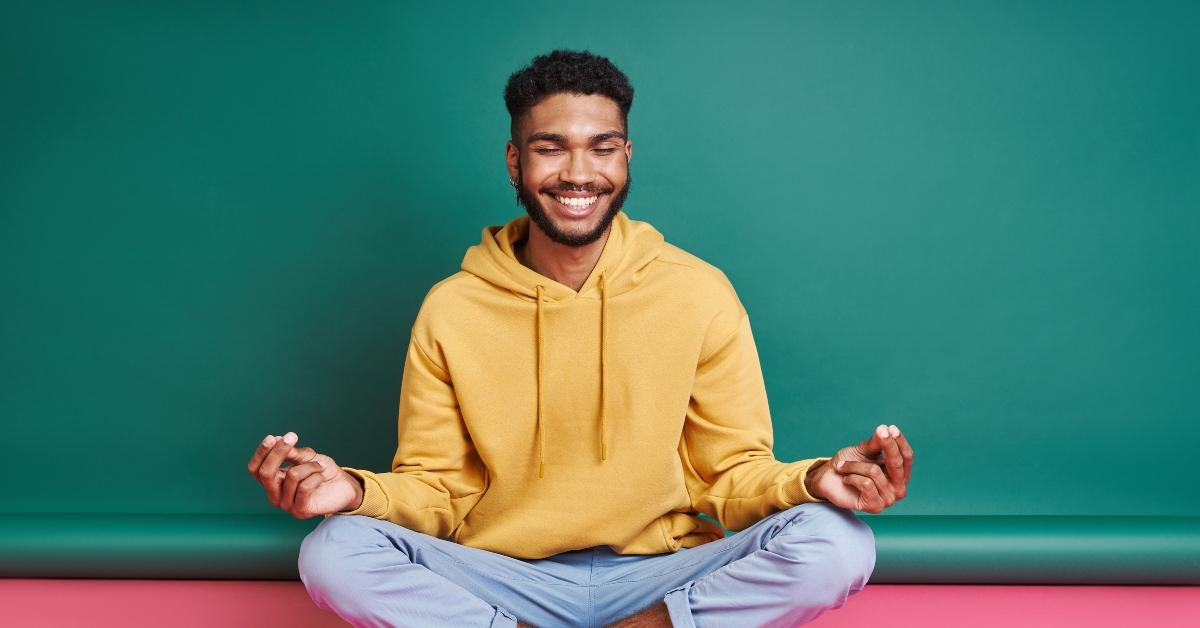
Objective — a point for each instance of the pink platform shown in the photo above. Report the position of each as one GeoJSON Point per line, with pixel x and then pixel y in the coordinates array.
{"type": "Point", "coordinates": [55, 603]}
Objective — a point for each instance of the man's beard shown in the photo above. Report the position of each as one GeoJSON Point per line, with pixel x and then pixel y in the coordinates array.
{"type": "Point", "coordinates": [539, 215]}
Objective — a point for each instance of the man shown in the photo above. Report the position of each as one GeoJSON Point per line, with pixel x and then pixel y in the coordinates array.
{"type": "Point", "coordinates": [572, 399]}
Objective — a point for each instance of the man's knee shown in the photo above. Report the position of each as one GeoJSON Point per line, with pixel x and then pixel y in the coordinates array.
{"type": "Point", "coordinates": [326, 554]}
{"type": "Point", "coordinates": [847, 542]}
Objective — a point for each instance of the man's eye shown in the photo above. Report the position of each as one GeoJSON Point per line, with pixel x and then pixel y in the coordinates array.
{"type": "Point", "coordinates": [547, 151]}
{"type": "Point", "coordinates": [606, 151]}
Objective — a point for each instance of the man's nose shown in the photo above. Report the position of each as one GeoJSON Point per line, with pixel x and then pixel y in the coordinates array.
{"type": "Point", "coordinates": [578, 169]}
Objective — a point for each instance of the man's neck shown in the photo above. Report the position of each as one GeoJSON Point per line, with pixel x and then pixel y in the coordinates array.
{"type": "Point", "coordinates": [568, 265]}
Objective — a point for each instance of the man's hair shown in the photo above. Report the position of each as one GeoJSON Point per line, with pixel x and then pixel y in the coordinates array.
{"type": "Point", "coordinates": [566, 71]}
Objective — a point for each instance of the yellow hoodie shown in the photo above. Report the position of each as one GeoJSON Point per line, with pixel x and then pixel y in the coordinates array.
{"type": "Point", "coordinates": [535, 420]}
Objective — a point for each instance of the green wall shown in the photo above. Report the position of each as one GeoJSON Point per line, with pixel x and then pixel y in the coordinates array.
{"type": "Point", "coordinates": [974, 220]}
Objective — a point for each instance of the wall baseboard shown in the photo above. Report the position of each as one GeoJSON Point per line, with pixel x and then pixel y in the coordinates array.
{"type": "Point", "coordinates": [1036, 549]}
{"type": "Point", "coordinates": [958, 549]}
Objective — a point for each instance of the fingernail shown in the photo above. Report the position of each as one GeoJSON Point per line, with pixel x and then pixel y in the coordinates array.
{"type": "Point", "coordinates": [268, 440]}
{"type": "Point", "coordinates": [840, 463]}
{"type": "Point", "coordinates": [882, 430]}
{"type": "Point", "coordinates": [290, 438]}
{"type": "Point", "coordinates": [894, 430]}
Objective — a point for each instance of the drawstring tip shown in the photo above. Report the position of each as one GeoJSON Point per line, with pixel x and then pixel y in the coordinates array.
{"type": "Point", "coordinates": [603, 452]}
{"type": "Point", "coordinates": [541, 469]}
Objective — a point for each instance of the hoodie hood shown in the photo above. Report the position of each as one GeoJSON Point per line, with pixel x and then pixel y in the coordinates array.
{"type": "Point", "coordinates": [631, 246]}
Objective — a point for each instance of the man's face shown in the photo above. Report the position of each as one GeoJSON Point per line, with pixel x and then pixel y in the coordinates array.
{"type": "Point", "coordinates": [570, 158]}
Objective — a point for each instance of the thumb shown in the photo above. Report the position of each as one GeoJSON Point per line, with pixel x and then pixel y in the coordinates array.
{"type": "Point", "coordinates": [329, 469]}
{"type": "Point", "coordinates": [298, 455]}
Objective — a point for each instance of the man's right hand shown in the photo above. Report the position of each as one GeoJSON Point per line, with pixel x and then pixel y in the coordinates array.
{"type": "Point", "coordinates": [313, 485]}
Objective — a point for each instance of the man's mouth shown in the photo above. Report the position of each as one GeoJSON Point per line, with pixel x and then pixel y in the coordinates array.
{"type": "Point", "coordinates": [577, 205]}
{"type": "Point", "coordinates": [577, 202]}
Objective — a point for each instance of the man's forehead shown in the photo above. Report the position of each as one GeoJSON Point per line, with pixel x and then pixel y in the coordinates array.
{"type": "Point", "coordinates": [574, 116]}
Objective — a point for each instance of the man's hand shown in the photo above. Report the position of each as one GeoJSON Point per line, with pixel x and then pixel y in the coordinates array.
{"type": "Point", "coordinates": [313, 485]}
{"type": "Point", "coordinates": [854, 479]}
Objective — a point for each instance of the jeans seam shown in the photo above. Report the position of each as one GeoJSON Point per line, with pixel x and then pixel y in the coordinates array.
{"type": "Point", "coordinates": [592, 591]}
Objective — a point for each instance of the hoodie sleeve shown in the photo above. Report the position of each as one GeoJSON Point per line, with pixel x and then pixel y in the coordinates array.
{"type": "Point", "coordinates": [730, 471]}
{"type": "Point", "coordinates": [436, 476]}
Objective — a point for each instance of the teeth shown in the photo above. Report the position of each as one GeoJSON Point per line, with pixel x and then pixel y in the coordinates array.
{"type": "Point", "coordinates": [576, 202]}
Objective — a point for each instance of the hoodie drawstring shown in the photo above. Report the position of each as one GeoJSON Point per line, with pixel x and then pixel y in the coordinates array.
{"type": "Point", "coordinates": [540, 431]}
{"type": "Point", "coordinates": [541, 332]}
{"type": "Point", "coordinates": [603, 347]}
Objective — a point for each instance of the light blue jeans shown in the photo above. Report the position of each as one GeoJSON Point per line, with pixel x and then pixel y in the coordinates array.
{"type": "Point", "coordinates": [785, 570]}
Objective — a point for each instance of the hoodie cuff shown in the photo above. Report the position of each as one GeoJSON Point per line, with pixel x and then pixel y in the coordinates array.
{"type": "Point", "coordinates": [794, 491]}
{"type": "Point", "coordinates": [374, 503]}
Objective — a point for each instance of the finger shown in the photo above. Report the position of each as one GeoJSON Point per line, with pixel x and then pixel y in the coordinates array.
{"type": "Point", "coordinates": [257, 464]}
{"type": "Point", "coordinates": [295, 475]}
{"type": "Point", "coordinates": [907, 452]}
{"type": "Point", "coordinates": [268, 473]}
{"type": "Point", "coordinates": [871, 470]}
{"type": "Point", "coordinates": [893, 459]}
{"type": "Point", "coordinates": [869, 499]}
{"type": "Point", "coordinates": [260, 453]}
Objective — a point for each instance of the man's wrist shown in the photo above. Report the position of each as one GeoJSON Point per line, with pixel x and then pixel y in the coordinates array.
{"type": "Point", "coordinates": [810, 477]}
{"type": "Point", "coordinates": [360, 491]}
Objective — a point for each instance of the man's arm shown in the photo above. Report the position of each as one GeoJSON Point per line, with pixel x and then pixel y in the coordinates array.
{"type": "Point", "coordinates": [731, 472]}
{"type": "Point", "coordinates": [436, 476]}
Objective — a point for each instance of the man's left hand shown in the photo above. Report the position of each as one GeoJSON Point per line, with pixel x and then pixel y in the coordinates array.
{"type": "Point", "coordinates": [855, 477]}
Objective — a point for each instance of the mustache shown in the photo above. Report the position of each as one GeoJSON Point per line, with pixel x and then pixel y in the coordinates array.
{"type": "Point", "coordinates": [589, 187]}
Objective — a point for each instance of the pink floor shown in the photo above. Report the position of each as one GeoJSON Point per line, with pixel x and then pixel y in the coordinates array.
{"type": "Point", "coordinates": [187, 603]}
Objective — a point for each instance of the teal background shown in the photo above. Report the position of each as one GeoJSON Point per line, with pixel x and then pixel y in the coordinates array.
{"type": "Point", "coordinates": [974, 220]}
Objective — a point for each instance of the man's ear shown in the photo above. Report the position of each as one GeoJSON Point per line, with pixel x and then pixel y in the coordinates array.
{"type": "Point", "coordinates": [512, 159]}
{"type": "Point", "coordinates": [628, 150]}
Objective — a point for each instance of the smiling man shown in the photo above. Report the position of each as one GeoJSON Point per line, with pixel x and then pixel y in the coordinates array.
{"type": "Point", "coordinates": [573, 400]}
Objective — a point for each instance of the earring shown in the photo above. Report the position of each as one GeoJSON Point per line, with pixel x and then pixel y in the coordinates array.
{"type": "Point", "coordinates": [512, 182]}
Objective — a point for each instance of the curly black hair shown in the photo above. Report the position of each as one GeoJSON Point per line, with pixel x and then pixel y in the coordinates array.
{"type": "Point", "coordinates": [566, 71]}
